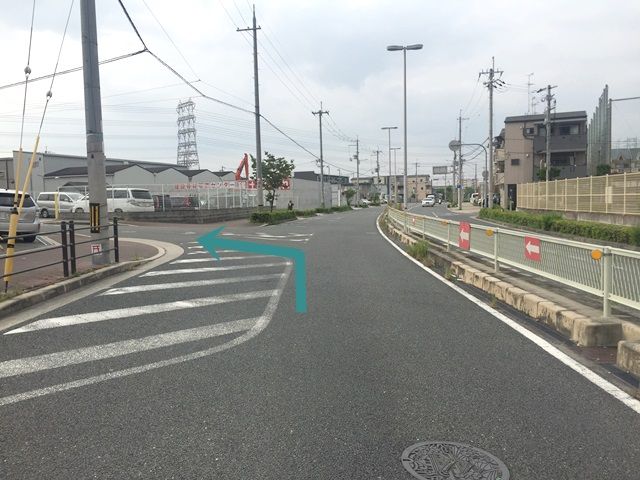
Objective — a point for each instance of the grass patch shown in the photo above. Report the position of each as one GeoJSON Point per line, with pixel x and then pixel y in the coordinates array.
{"type": "Point", "coordinates": [305, 213]}
{"type": "Point", "coordinates": [419, 250]}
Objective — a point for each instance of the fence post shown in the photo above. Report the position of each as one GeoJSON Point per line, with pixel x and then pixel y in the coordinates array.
{"type": "Point", "coordinates": [591, 194]}
{"type": "Point", "coordinates": [65, 253]}
{"type": "Point", "coordinates": [565, 195]}
{"type": "Point", "coordinates": [448, 235]}
{"type": "Point", "coordinates": [496, 265]}
{"type": "Point", "coordinates": [555, 196]}
{"type": "Point", "coordinates": [162, 193]}
{"type": "Point", "coordinates": [116, 243]}
{"type": "Point", "coordinates": [72, 246]}
{"type": "Point", "coordinates": [606, 193]}
{"type": "Point", "coordinates": [607, 265]}
{"type": "Point", "coordinates": [406, 228]}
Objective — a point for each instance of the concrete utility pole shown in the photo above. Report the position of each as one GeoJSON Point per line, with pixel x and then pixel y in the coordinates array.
{"type": "Point", "coordinates": [378, 152]}
{"type": "Point", "coordinates": [93, 122]}
{"type": "Point", "coordinates": [389, 182]}
{"type": "Point", "coordinates": [547, 130]}
{"type": "Point", "coordinates": [529, 99]}
{"type": "Point", "coordinates": [256, 90]}
{"type": "Point", "coordinates": [460, 161]}
{"type": "Point", "coordinates": [491, 83]}
{"type": "Point", "coordinates": [357, 157]}
{"type": "Point", "coordinates": [320, 113]}
{"type": "Point", "coordinates": [395, 173]}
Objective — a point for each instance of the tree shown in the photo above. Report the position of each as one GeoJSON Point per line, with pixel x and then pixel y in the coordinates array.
{"type": "Point", "coordinates": [603, 169]}
{"type": "Point", "coordinates": [349, 194]}
{"type": "Point", "coordinates": [553, 173]}
{"type": "Point", "coordinates": [275, 170]}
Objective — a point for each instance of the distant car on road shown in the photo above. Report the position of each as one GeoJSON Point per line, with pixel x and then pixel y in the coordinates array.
{"type": "Point", "coordinates": [364, 201]}
{"type": "Point", "coordinates": [47, 202]}
{"type": "Point", "coordinates": [429, 201]}
{"type": "Point", "coordinates": [29, 222]}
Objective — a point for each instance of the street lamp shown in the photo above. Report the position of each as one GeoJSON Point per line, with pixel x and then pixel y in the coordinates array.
{"type": "Point", "coordinates": [395, 48]}
{"type": "Point", "coordinates": [389, 181]}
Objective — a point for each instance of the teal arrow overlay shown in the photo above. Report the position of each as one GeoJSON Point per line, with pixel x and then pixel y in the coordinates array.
{"type": "Point", "coordinates": [212, 242]}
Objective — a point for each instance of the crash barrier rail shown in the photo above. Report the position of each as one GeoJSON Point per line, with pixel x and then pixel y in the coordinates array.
{"type": "Point", "coordinates": [610, 273]}
{"type": "Point", "coordinates": [618, 194]}
{"type": "Point", "coordinates": [67, 247]}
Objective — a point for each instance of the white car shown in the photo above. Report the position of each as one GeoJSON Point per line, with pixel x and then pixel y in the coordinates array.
{"type": "Point", "coordinates": [364, 201]}
{"type": "Point", "coordinates": [429, 201]}
{"type": "Point", "coordinates": [121, 200]}
{"type": "Point", "coordinates": [29, 221]}
{"type": "Point", "coordinates": [47, 202]}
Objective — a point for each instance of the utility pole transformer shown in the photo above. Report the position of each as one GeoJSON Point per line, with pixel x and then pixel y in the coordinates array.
{"type": "Point", "coordinates": [93, 122]}
{"type": "Point", "coordinates": [491, 83]}
{"type": "Point", "coordinates": [320, 113]}
{"type": "Point", "coordinates": [256, 90]}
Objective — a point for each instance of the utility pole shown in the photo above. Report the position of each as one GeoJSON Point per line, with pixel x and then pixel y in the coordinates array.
{"type": "Point", "coordinates": [256, 90]}
{"type": "Point", "coordinates": [389, 181]}
{"type": "Point", "coordinates": [475, 180]}
{"type": "Point", "coordinates": [320, 113]}
{"type": "Point", "coordinates": [490, 84]}
{"type": "Point", "coordinates": [547, 130]}
{"type": "Point", "coordinates": [378, 152]}
{"type": "Point", "coordinates": [460, 161]}
{"type": "Point", "coordinates": [93, 122]}
{"type": "Point", "coordinates": [357, 157]}
{"type": "Point", "coordinates": [395, 173]}
{"type": "Point", "coordinates": [529, 101]}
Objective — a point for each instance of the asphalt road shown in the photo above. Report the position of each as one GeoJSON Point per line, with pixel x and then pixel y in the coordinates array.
{"type": "Point", "coordinates": [223, 379]}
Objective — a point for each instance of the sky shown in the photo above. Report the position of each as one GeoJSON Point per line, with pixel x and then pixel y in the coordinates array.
{"type": "Point", "coordinates": [311, 51]}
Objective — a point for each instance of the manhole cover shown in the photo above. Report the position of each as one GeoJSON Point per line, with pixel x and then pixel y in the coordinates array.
{"type": "Point", "coordinates": [452, 461]}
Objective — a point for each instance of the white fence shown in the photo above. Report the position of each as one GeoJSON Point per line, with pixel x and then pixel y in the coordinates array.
{"type": "Point", "coordinates": [610, 273]}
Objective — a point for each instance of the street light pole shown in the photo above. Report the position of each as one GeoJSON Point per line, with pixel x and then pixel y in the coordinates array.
{"type": "Point", "coordinates": [393, 48]}
{"type": "Point", "coordinates": [389, 181]}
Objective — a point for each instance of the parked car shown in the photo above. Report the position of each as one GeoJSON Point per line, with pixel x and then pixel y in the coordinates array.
{"type": "Point", "coordinates": [28, 223]}
{"type": "Point", "coordinates": [121, 200]}
{"type": "Point", "coordinates": [475, 198]}
{"type": "Point", "coordinates": [429, 201]}
{"type": "Point", "coordinates": [66, 200]}
{"type": "Point", "coordinates": [364, 201]}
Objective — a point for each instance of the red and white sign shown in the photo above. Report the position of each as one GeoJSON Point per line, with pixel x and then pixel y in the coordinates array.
{"type": "Point", "coordinates": [464, 236]}
{"type": "Point", "coordinates": [532, 248]}
{"type": "Point", "coordinates": [286, 184]}
{"type": "Point", "coordinates": [96, 248]}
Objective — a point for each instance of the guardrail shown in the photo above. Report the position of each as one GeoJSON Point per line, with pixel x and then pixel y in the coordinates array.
{"type": "Point", "coordinates": [67, 248]}
{"type": "Point", "coordinates": [610, 273]}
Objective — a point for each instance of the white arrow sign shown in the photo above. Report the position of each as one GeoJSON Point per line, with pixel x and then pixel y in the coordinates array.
{"type": "Point", "coordinates": [464, 235]}
{"type": "Point", "coordinates": [531, 248]}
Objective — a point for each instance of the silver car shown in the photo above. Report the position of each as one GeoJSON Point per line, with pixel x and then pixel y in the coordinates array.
{"type": "Point", "coordinates": [28, 224]}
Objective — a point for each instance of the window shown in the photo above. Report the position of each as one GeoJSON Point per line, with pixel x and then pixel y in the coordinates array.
{"type": "Point", "coordinates": [515, 162]}
{"type": "Point", "coordinates": [529, 131]}
{"type": "Point", "coordinates": [568, 129]}
{"type": "Point", "coordinates": [144, 194]}
{"type": "Point", "coordinates": [119, 194]}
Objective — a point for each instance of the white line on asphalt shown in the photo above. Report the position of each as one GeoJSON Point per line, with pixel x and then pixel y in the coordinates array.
{"type": "Point", "coordinates": [260, 325]}
{"type": "Point", "coordinates": [157, 273]}
{"type": "Point", "coordinates": [198, 252]}
{"type": "Point", "coordinates": [590, 375]}
{"type": "Point", "coordinates": [203, 260]}
{"type": "Point", "coordinates": [196, 247]}
{"type": "Point", "coordinates": [129, 312]}
{"type": "Point", "coordinates": [193, 283]}
{"type": "Point", "coordinates": [23, 366]}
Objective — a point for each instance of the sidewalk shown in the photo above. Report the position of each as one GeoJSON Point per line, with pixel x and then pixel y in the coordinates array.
{"type": "Point", "coordinates": [41, 277]}
{"type": "Point", "coordinates": [467, 209]}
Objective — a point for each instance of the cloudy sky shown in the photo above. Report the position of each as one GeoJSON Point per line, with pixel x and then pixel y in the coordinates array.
{"type": "Point", "coordinates": [310, 51]}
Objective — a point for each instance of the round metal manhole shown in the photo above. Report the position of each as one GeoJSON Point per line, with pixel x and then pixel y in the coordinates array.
{"type": "Point", "coordinates": [452, 461]}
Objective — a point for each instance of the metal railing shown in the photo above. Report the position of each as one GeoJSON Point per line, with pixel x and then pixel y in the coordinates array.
{"type": "Point", "coordinates": [67, 248]}
{"type": "Point", "coordinates": [610, 273]}
{"type": "Point", "coordinates": [619, 194]}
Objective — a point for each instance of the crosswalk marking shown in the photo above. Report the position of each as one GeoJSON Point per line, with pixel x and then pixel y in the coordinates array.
{"type": "Point", "coordinates": [129, 312]}
{"type": "Point", "coordinates": [48, 361]}
{"type": "Point", "coordinates": [193, 283]}
{"type": "Point", "coordinates": [203, 260]}
{"type": "Point", "coordinates": [157, 273]}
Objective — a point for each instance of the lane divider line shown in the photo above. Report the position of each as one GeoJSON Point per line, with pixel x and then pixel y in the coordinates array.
{"type": "Point", "coordinates": [158, 273]}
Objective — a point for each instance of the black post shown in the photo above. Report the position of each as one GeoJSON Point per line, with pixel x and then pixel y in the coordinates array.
{"type": "Point", "coordinates": [65, 253]}
{"type": "Point", "coordinates": [116, 246]}
{"type": "Point", "coordinates": [72, 246]}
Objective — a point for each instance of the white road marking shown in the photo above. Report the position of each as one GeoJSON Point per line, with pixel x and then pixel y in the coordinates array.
{"type": "Point", "coordinates": [189, 233]}
{"type": "Point", "coordinates": [23, 366]}
{"type": "Point", "coordinates": [593, 377]}
{"type": "Point", "coordinates": [129, 312]}
{"type": "Point", "coordinates": [194, 283]}
{"type": "Point", "coordinates": [199, 252]}
{"type": "Point", "coordinates": [157, 273]}
{"type": "Point", "coordinates": [203, 260]}
{"type": "Point", "coordinates": [196, 247]}
{"type": "Point", "coordinates": [258, 327]}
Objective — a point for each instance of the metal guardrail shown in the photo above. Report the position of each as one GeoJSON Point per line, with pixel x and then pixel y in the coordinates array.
{"type": "Point", "coordinates": [67, 248]}
{"type": "Point", "coordinates": [610, 273]}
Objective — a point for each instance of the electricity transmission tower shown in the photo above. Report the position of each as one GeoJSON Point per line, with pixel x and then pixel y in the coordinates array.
{"type": "Point", "coordinates": [187, 147]}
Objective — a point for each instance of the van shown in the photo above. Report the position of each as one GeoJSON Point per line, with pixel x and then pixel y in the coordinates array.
{"type": "Point", "coordinates": [120, 200]}
{"type": "Point", "coordinates": [47, 200]}
{"type": "Point", "coordinates": [28, 223]}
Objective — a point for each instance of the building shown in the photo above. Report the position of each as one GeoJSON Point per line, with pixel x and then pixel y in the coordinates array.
{"type": "Point", "coordinates": [521, 147]}
{"type": "Point", "coordinates": [419, 186]}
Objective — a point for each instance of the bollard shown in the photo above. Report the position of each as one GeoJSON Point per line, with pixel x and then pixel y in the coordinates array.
{"type": "Point", "coordinates": [116, 244]}
{"type": "Point", "coordinates": [63, 245]}
{"type": "Point", "coordinates": [72, 246]}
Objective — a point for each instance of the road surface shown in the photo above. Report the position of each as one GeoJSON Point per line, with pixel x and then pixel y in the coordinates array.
{"type": "Point", "coordinates": [220, 378]}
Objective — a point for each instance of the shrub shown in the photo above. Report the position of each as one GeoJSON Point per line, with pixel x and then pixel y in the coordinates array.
{"type": "Point", "coordinates": [419, 250]}
{"type": "Point", "coordinates": [342, 208]}
{"type": "Point", "coordinates": [305, 213]}
{"type": "Point", "coordinates": [273, 217]}
{"type": "Point", "coordinates": [323, 210]}
{"type": "Point", "coordinates": [635, 235]}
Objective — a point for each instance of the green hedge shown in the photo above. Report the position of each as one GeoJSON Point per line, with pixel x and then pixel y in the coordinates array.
{"type": "Point", "coordinates": [343, 208]}
{"type": "Point", "coordinates": [323, 210]}
{"type": "Point", "coordinates": [305, 213]}
{"type": "Point", "coordinates": [552, 222]}
{"type": "Point", "coordinates": [271, 218]}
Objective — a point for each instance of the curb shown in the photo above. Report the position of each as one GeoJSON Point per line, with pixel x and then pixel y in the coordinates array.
{"type": "Point", "coordinates": [43, 294]}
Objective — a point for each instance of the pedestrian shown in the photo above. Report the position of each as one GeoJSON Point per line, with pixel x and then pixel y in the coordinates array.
{"type": "Point", "coordinates": [290, 205]}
